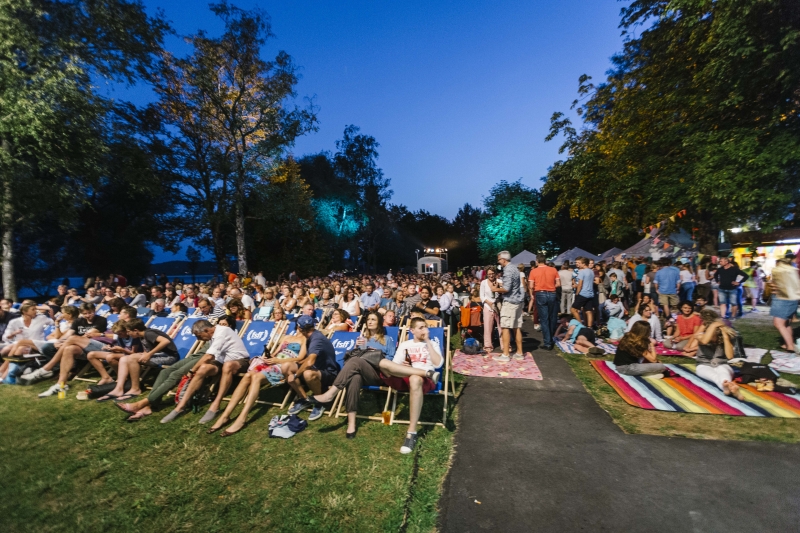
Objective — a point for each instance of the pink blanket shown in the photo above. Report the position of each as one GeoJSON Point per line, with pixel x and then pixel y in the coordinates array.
{"type": "Point", "coordinates": [477, 365]}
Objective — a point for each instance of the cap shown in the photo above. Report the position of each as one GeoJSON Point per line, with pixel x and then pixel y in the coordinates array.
{"type": "Point", "coordinates": [789, 254]}
{"type": "Point", "coordinates": [305, 322]}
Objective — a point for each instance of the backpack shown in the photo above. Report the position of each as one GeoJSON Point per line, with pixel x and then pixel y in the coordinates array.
{"type": "Point", "coordinates": [472, 346]}
{"type": "Point", "coordinates": [201, 396]}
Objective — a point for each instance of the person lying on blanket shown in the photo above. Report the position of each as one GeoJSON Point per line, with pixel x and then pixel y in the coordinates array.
{"type": "Point", "coordinates": [686, 325]}
{"type": "Point", "coordinates": [357, 372]}
{"type": "Point", "coordinates": [582, 338]}
{"type": "Point", "coordinates": [124, 344]}
{"type": "Point", "coordinates": [272, 369]}
{"type": "Point", "coordinates": [158, 350]}
{"type": "Point", "coordinates": [230, 358]}
{"type": "Point", "coordinates": [713, 352]}
{"type": "Point", "coordinates": [636, 353]}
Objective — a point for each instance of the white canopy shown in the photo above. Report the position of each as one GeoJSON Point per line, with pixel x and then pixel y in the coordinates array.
{"type": "Point", "coordinates": [524, 257]}
{"type": "Point", "coordinates": [572, 255]}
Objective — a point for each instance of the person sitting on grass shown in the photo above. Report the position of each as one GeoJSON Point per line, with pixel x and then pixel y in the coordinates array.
{"type": "Point", "coordinates": [124, 344]}
{"type": "Point", "coordinates": [230, 357]}
{"type": "Point", "coordinates": [650, 316]}
{"type": "Point", "coordinates": [158, 349]}
{"type": "Point", "coordinates": [613, 307]}
{"type": "Point", "coordinates": [358, 373]}
{"type": "Point", "coordinates": [317, 370]}
{"type": "Point", "coordinates": [78, 343]}
{"type": "Point", "coordinates": [282, 359]}
{"type": "Point", "coordinates": [582, 338]}
{"type": "Point", "coordinates": [715, 348]}
{"type": "Point", "coordinates": [687, 324]}
{"type": "Point", "coordinates": [636, 353]}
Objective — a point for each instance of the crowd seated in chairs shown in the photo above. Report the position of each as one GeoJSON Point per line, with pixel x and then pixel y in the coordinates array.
{"type": "Point", "coordinates": [195, 337]}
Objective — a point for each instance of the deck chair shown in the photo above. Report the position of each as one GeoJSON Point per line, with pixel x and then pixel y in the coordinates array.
{"type": "Point", "coordinates": [190, 311]}
{"type": "Point", "coordinates": [184, 339]}
{"type": "Point", "coordinates": [112, 319]}
{"type": "Point", "coordinates": [263, 313]}
{"type": "Point", "coordinates": [393, 334]}
{"type": "Point", "coordinates": [142, 312]}
{"type": "Point", "coordinates": [258, 337]}
{"type": "Point", "coordinates": [102, 310]}
{"type": "Point", "coordinates": [445, 387]}
{"type": "Point", "coordinates": [16, 305]}
{"type": "Point", "coordinates": [240, 325]}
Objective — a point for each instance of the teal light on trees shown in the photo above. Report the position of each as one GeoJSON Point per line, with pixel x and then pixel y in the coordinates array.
{"type": "Point", "coordinates": [338, 216]}
{"type": "Point", "coordinates": [513, 220]}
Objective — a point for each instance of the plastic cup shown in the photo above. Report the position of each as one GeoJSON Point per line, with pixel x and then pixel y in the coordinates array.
{"type": "Point", "coordinates": [387, 417]}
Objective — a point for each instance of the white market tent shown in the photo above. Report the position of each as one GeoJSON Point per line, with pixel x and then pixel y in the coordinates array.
{"type": "Point", "coordinates": [572, 255]}
{"type": "Point", "coordinates": [524, 257]}
{"type": "Point", "coordinates": [610, 254]}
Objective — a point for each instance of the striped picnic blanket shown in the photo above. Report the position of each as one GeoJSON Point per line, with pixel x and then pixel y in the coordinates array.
{"type": "Point", "coordinates": [689, 393]}
{"type": "Point", "coordinates": [568, 347]}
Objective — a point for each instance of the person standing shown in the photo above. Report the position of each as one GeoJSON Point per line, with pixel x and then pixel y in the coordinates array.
{"type": "Point", "coordinates": [584, 299]}
{"type": "Point", "coordinates": [543, 282]}
{"type": "Point", "coordinates": [567, 290]}
{"type": "Point", "coordinates": [730, 277]}
{"type": "Point", "coordinates": [511, 309]}
{"type": "Point", "coordinates": [490, 316]}
{"type": "Point", "coordinates": [668, 283]}
{"type": "Point", "coordinates": [785, 287]}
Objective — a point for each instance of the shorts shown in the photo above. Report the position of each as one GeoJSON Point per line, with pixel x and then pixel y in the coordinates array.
{"type": "Point", "coordinates": [401, 384]}
{"type": "Point", "coordinates": [511, 316]}
{"type": "Point", "coordinates": [243, 364]}
{"type": "Point", "coordinates": [94, 346]}
{"type": "Point", "coordinates": [583, 303]}
{"type": "Point", "coordinates": [668, 299]}
{"type": "Point", "coordinates": [728, 297]}
{"type": "Point", "coordinates": [162, 359]}
{"type": "Point", "coordinates": [752, 292]}
{"type": "Point", "coordinates": [327, 378]}
{"type": "Point", "coordinates": [588, 333]}
{"type": "Point", "coordinates": [784, 309]}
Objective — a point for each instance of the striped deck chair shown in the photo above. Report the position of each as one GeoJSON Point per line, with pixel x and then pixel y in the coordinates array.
{"type": "Point", "coordinates": [445, 387]}
{"type": "Point", "coordinates": [393, 334]}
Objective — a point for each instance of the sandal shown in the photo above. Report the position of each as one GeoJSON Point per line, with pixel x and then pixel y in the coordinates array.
{"type": "Point", "coordinates": [135, 417]}
{"type": "Point", "coordinates": [126, 397]}
{"type": "Point", "coordinates": [107, 397]}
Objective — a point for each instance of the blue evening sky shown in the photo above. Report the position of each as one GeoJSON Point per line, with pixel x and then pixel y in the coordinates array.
{"type": "Point", "coordinates": [458, 94]}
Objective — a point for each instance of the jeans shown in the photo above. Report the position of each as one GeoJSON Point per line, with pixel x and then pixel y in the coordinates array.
{"type": "Point", "coordinates": [567, 298]}
{"type": "Point", "coordinates": [641, 369]}
{"type": "Point", "coordinates": [548, 315]}
{"type": "Point", "coordinates": [687, 290]}
{"type": "Point", "coordinates": [728, 297]}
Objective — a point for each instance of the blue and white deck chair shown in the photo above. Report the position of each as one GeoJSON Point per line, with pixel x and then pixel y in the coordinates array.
{"type": "Point", "coordinates": [256, 336]}
{"type": "Point", "coordinates": [142, 312]}
{"type": "Point", "coordinates": [319, 313]}
{"type": "Point", "coordinates": [239, 325]}
{"type": "Point", "coordinates": [184, 339]}
{"type": "Point", "coordinates": [190, 311]}
{"type": "Point", "coordinates": [290, 316]}
{"type": "Point", "coordinates": [392, 336]}
{"type": "Point", "coordinates": [445, 387]}
{"type": "Point", "coordinates": [48, 330]}
{"type": "Point", "coordinates": [291, 328]}
{"type": "Point", "coordinates": [263, 313]}
{"type": "Point", "coordinates": [102, 310]}
{"type": "Point", "coordinates": [161, 323]}
{"type": "Point", "coordinates": [112, 319]}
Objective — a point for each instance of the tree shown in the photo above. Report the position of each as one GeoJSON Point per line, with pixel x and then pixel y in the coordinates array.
{"type": "Point", "coordinates": [700, 112]}
{"type": "Point", "coordinates": [356, 162]}
{"type": "Point", "coordinates": [50, 138]}
{"type": "Point", "coordinates": [244, 99]}
{"type": "Point", "coordinates": [466, 225]}
{"type": "Point", "coordinates": [193, 255]}
{"type": "Point", "coordinates": [512, 220]}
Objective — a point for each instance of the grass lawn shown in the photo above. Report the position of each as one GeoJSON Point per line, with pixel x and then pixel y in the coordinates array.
{"type": "Point", "coordinates": [757, 331]}
{"type": "Point", "coordinates": [77, 466]}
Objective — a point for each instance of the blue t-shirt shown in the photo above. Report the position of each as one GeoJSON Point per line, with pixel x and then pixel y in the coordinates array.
{"type": "Point", "coordinates": [667, 280]}
{"type": "Point", "coordinates": [319, 344]}
{"type": "Point", "coordinates": [388, 349]}
{"type": "Point", "coordinates": [640, 271]}
{"type": "Point", "coordinates": [587, 276]}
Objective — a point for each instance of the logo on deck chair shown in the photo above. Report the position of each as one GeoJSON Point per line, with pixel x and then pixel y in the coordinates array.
{"type": "Point", "coordinates": [186, 333]}
{"type": "Point", "coordinates": [162, 327]}
{"type": "Point", "coordinates": [339, 345]}
{"type": "Point", "coordinates": [253, 337]}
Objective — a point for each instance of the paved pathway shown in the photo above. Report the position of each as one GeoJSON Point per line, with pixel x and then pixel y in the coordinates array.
{"type": "Point", "coordinates": [543, 456]}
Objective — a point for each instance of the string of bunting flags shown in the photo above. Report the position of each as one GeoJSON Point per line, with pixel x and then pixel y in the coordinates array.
{"type": "Point", "coordinates": [666, 246]}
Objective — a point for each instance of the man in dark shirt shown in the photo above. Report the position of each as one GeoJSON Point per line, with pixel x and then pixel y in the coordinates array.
{"type": "Point", "coordinates": [317, 370]}
{"type": "Point", "coordinates": [730, 277]}
{"type": "Point", "coordinates": [430, 308]}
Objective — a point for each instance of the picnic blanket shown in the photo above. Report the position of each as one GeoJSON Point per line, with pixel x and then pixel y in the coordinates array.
{"type": "Point", "coordinates": [689, 393]}
{"type": "Point", "coordinates": [784, 362]}
{"type": "Point", "coordinates": [660, 350]}
{"type": "Point", "coordinates": [568, 347]}
{"type": "Point", "coordinates": [477, 365]}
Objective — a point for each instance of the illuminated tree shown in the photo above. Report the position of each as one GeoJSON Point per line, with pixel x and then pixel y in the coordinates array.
{"type": "Point", "coordinates": [512, 220]}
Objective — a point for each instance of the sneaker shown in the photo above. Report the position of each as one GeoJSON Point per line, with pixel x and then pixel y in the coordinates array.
{"type": "Point", "coordinates": [37, 375]}
{"type": "Point", "coordinates": [173, 415]}
{"type": "Point", "coordinates": [596, 350]}
{"type": "Point", "coordinates": [55, 389]}
{"type": "Point", "coordinates": [501, 358]}
{"type": "Point", "coordinates": [537, 327]}
{"type": "Point", "coordinates": [518, 357]}
{"type": "Point", "coordinates": [433, 375]}
{"type": "Point", "coordinates": [316, 413]}
{"type": "Point", "coordinates": [299, 405]}
{"type": "Point", "coordinates": [409, 443]}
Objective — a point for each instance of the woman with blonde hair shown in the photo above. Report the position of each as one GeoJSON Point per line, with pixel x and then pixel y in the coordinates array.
{"type": "Point", "coordinates": [714, 349]}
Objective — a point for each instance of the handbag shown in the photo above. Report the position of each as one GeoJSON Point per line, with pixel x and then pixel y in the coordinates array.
{"type": "Point", "coordinates": [373, 357]}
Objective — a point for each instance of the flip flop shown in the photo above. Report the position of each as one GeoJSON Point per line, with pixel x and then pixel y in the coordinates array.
{"type": "Point", "coordinates": [135, 417]}
{"type": "Point", "coordinates": [126, 397]}
{"type": "Point", "coordinates": [107, 397]}
{"type": "Point", "coordinates": [121, 408]}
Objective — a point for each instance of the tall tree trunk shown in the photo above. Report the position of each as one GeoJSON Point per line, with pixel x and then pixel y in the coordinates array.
{"type": "Point", "coordinates": [241, 251]}
{"type": "Point", "coordinates": [7, 223]}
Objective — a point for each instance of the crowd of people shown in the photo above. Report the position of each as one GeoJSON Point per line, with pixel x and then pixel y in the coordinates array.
{"type": "Point", "coordinates": [640, 303]}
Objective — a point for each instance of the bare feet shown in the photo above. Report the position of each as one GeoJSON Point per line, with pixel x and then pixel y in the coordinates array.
{"type": "Point", "coordinates": [734, 388]}
{"type": "Point", "coordinates": [128, 407]}
{"type": "Point", "coordinates": [105, 381]}
{"type": "Point", "coordinates": [221, 421]}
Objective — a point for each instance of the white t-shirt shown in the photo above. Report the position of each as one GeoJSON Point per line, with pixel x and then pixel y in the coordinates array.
{"type": "Point", "coordinates": [417, 352]}
{"type": "Point", "coordinates": [566, 280]}
{"type": "Point", "coordinates": [226, 345]}
{"type": "Point", "coordinates": [686, 276]}
{"type": "Point", "coordinates": [248, 302]}
{"type": "Point", "coordinates": [33, 332]}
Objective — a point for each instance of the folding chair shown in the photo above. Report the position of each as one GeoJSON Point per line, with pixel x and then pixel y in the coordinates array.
{"type": "Point", "coordinates": [240, 325]}
{"type": "Point", "coordinates": [263, 313]}
{"type": "Point", "coordinates": [393, 334]}
{"type": "Point", "coordinates": [142, 312]}
{"type": "Point", "coordinates": [263, 336]}
{"type": "Point", "coordinates": [112, 319]}
{"type": "Point", "coordinates": [445, 387]}
{"type": "Point", "coordinates": [102, 310]}
{"type": "Point", "coordinates": [190, 311]}
{"type": "Point", "coordinates": [184, 339]}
